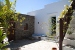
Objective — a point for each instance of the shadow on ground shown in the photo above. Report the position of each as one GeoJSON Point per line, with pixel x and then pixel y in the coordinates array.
{"type": "Point", "coordinates": [19, 43]}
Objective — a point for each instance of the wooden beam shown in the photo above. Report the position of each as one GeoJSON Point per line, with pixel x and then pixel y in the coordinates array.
{"type": "Point", "coordinates": [60, 34]}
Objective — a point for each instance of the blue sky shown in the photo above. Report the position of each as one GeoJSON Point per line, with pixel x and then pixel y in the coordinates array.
{"type": "Point", "coordinates": [24, 6]}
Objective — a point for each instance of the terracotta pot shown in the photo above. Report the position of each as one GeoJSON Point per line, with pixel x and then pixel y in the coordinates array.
{"type": "Point", "coordinates": [54, 48]}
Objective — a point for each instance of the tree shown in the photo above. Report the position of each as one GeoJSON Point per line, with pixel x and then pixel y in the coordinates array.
{"type": "Point", "coordinates": [7, 13]}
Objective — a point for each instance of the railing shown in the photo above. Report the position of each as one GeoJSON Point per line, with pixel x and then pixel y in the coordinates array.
{"type": "Point", "coordinates": [64, 24]}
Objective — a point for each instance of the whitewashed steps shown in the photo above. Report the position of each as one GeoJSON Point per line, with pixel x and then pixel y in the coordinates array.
{"type": "Point", "coordinates": [68, 47]}
{"type": "Point", "coordinates": [69, 40]}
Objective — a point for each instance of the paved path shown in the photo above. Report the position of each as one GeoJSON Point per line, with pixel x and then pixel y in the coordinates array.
{"type": "Point", "coordinates": [33, 45]}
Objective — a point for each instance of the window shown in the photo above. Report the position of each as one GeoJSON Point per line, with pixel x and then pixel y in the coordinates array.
{"type": "Point", "coordinates": [26, 26]}
{"type": "Point", "coordinates": [38, 22]}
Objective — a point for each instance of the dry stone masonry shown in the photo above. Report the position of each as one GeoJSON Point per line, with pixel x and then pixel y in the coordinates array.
{"type": "Point", "coordinates": [24, 29]}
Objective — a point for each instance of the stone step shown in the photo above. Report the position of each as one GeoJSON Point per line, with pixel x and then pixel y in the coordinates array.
{"type": "Point", "coordinates": [74, 12]}
{"type": "Point", "coordinates": [68, 47]}
{"type": "Point", "coordinates": [69, 41]}
{"type": "Point", "coordinates": [72, 21]}
{"type": "Point", "coordinates": [71, 35]}
{"type": "Point", "coordinates": [72, 24]}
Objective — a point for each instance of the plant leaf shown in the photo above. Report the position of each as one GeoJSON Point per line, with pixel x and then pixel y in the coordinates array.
{"type": "Point", "coordinates": [1, 32]}
{"type": "Point", "coordinates": [8, 3]}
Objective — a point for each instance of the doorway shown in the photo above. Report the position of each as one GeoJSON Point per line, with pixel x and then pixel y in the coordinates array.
{"type": "Point", "coordinates": [53, 26]}
{"type": "Point", "coordinates": [11, 35]}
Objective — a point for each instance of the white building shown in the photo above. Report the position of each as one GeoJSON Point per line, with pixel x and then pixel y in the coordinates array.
{"type": "Point", "coordinates": [43, 22]}
{"type": "Point", "coordinates": [43, 17]}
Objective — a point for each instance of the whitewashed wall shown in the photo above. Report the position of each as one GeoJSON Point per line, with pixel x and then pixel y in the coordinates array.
{"type": "Point", "coordinates": [43, 15]}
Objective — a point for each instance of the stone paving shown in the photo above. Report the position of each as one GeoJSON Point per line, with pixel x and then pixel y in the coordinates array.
{"type": "Point", "coordinates": [32, 45]}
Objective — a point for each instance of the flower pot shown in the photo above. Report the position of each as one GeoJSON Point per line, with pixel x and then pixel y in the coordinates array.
{"type": "Point", "coordinates": [54, 48]}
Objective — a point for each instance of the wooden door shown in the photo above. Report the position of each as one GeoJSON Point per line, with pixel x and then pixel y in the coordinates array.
{"type": "Point", "coordinates": [11, 35]}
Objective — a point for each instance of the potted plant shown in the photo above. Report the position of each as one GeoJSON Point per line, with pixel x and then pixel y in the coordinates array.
{"type": "Point", "coordinates": [54, 48]}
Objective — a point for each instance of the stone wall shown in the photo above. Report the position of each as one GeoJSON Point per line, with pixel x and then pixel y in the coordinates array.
{"type": "Point", "coordinates": [26, 28]}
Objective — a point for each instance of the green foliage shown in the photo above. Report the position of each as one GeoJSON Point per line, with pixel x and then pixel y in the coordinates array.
{"type": "Point", "coordinates": [2, 37]}
{"type": "Point", "coordinates": [7, 12]}
{"type": "Point", "coordinates": [64, 11]}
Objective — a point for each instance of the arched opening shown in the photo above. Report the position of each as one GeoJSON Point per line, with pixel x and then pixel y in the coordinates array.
{"type": "Point", "coordinates": [26, 26]}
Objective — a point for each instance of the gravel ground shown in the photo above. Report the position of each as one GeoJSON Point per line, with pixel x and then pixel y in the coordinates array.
{"type": "Point", "coordinates": [32, 45]}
